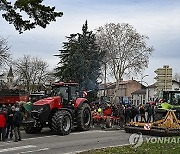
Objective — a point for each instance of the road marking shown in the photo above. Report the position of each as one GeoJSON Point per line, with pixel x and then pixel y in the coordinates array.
{"type": "Point", "coordinates": [26, 139]}
{"type": "Point", "coordinates": [39, 150]}
{"type": "Point", "coordinates": [17, 148]}
{"type": "Point", "coordinates": [86, 132]}
{"type": "Point", "coordinates": [73, 133]}
{"type": "Point", "coordinates": [94, 131]}
{"type": "Point", "coordinates": [33, 138]}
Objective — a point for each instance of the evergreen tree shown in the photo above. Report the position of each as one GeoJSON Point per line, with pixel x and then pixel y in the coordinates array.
{"type": "Point", "coordinates": [27, 14]}
{"type": "Point", "coordinates": [80, 60]}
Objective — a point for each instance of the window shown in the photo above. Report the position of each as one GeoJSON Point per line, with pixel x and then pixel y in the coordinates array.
{"type": "Point", "coordinates": [137, 102]}
{"type": "Point", "coordinates": [143, 96]}
{"type": "Point", "coordinates": [176, 98]}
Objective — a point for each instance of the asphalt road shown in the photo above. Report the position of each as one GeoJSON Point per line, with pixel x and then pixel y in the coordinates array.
{"type": "Point", "coordinates": [47, 143]}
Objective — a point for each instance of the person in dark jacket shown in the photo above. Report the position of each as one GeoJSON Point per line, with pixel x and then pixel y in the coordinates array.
{"type": "Point", "coordinates": [134, 113]}
{"type": "Point", "coordinates": [150, 113]}
{"type": "Point", "coordinates": [142, 113]}
{"type": "Point", "coordinates": [127, 114]}
{"type": "Point", "coordinates": [121, 116]}
{"type": "Point", "coordinates": [2, 125]}
{"type": "Point", "coordinates": [17, 120]}
{"type": "Point", "coordinates": [9, 126]}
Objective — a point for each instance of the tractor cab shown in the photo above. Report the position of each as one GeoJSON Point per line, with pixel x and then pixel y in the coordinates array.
{"type": "Point", "coordinates": [173, 97]}
{"type": "Point", "coordinates": [67, 92]}
{"type": "Point", "coordinates": [171, 101]}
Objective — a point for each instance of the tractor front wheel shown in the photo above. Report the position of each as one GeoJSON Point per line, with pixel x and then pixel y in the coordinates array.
{"type": "Point", "coordinates": [84, 117]}
{"type": "Point", "coordinates": [61, 122]}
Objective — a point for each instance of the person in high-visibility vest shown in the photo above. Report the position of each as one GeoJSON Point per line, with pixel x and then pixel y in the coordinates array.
{"type": "Point", "coordinates": [100, 111]}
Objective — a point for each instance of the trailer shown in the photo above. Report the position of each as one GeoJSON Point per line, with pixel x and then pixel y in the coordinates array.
{"type": "Point", "coordinates": [9, 96]}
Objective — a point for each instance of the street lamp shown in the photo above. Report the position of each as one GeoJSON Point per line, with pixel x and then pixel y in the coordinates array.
{"type": "Point", "coordinates": [105, 73]}
{"type": "Point", "coordinates": [142, 77]}
{"type": "Point", "coordinates": [147, 90]}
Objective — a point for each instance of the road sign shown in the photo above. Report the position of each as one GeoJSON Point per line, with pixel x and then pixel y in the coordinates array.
{"type": "Point", "coordinates": [147, 126]}
{"type": "Point", "coordinates": [164, 78]}
{"type": "Point", "coordinates": [161, 78]}
{"type": "Point", "coordinates": [164, 71]}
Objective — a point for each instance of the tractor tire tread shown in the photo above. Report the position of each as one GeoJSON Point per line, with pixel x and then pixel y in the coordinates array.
{"type": "Point", "coordinates": [79, 118]}
{"type": "Point", "coordinates": [57, 122]}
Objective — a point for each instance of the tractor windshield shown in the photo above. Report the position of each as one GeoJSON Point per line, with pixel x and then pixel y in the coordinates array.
{"type": "Point", "coordinates": [60, 91]}
{"type": "Point", "coordinates": [175, 98]}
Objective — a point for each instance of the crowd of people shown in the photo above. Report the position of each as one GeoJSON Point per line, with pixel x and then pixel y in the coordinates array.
{"type": "Point", "coordinates": [10, 121]}
{"type": "Point", "coordinates": [11, 116]}
{"type": "Point", "coordinates": [125, 113]}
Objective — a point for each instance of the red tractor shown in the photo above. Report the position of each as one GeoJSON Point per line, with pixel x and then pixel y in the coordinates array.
{"type": "Point", "coordinates": [62, 111]}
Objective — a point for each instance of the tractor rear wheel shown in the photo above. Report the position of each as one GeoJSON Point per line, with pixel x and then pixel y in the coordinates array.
{"type": "Point", "coordinates": [84, 117]}
{"type": "Point", "coordinates": [61, 122]}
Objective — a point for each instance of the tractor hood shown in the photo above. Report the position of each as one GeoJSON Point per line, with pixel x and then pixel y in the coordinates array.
{"type": "Point", "coordinates": [45, 101]}
{"type": "Point", "coordinates": [51, 101]}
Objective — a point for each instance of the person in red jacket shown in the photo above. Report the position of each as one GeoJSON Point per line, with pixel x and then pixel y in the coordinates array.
{"type": "Point", "coordinates": [2, 125]}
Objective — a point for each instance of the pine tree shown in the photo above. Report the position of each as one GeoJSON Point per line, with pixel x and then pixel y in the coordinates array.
{"type": "Point", "coordinates": [80, 60]}
{"type": "Point", "coordinates": [27, 14]}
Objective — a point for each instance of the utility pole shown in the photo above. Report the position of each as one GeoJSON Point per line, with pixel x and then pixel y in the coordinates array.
{"type": "Point", "coordinates": [105, 79]}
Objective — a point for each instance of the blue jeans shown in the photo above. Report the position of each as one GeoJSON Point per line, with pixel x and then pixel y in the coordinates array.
{"type": "Point", "coordinates": [137, 117]}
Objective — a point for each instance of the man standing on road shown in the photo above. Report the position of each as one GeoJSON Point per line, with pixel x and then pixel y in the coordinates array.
{"type": "Point", "coordinates": [127, 114]}
{"type": "Point", "coordinates": [17, 120]}
{"type": "Point", "coordinates": [121, 116]}
{"type": "Point", "coordinates": [9, 129]}
{"type": "Point", "coordinates": [142, 113]}
{"type": "Point", "coordinates": [150, 113]}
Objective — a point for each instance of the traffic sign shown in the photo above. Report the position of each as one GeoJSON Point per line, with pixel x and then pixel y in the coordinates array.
{"type": "Point", "coordinates": [147, 126]}
{"type": "Point", "coordinates": [164, 78]}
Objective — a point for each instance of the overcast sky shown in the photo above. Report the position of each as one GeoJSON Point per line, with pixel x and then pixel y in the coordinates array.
{"type": "Point", "coordinates": [158, 19]}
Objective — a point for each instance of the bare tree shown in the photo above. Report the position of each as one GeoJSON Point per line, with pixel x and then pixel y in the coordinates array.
{"type": "Point", "coordinates": [177, 77]}
{"type": "Point", "coordinates": [4, 52]}
{"type": "Point", "coordinates": [126, 50]}
{"type": "Point", "coordinates": [32, 72]}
